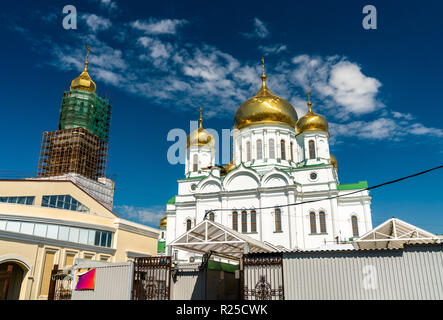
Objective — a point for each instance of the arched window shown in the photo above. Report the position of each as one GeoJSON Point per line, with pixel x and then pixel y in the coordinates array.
{"type": "Point", "coordinates": [354, 226]}
{"type": "Point", "coordinates": [271, 149]}
{"type": "Point", "coordinates": [322, 221]}
{"type": "Point", "coordinates": [211, 216]}
{"type": "Point", "coordinates": [248, 151]}
{"type": "Point", "coordinates": [244, 221]}
{"type": "Point", "coordinates": [313, 224]}
{"type": "Point", "coordinates": [188, 224]}
{"type": "Point", "coordinates": [277, 219]}
{"type": "Point", "coordinates": [195, 163]}
{"type": "Point", "coordinates": [235, 221]}
{"type": "Point", "coordinates": [259, 150]}
{"type": "Point", "coordinates": [283, 149]}
{"type": "Point", "coordinates": [292, 151]}
{"type": "Point", "coordinates": [253, 221]}
{"type": "Point", "coordinates": [311, 149]}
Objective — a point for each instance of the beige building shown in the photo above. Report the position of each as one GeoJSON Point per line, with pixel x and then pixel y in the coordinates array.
{"type": "Point", "coordinates": [51, 222]}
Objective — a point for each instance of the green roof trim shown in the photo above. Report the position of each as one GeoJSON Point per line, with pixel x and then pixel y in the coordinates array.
{"type": "Point", "coordinates": [172, 200]}
{"type": "Point", "coordinates": [161, 245]}
{"type": "Point", "coordinates": [353, 186]}
{"type": "Point", "coordinates": [217, 265]}
{"type": "Point", "coordinates": [192, 178]}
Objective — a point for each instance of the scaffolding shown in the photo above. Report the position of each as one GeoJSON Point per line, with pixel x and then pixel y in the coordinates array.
{"type": "Point", "coordinates": [72, 151]}
{"type": "Point", "coordinates": [87, 110]}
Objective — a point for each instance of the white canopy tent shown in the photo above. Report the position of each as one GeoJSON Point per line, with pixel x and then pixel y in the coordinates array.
{"type": "Point", "coordinates": [394, 233]}
{"type": "Point", "coordinates": [209, 236]}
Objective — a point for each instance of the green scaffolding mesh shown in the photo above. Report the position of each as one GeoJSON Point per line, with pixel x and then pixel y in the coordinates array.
{"type": "Point", "coordinates": [83, 109]}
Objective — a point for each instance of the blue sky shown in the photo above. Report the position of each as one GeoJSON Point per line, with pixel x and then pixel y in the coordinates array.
{"type": "Point", "coordinates": [159, 61]}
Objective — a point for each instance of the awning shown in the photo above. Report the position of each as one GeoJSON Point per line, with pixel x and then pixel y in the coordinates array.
{"type": "Point", "coordinates": [394, 233]}
{"type": "Point", "coordinates": [224, 242]}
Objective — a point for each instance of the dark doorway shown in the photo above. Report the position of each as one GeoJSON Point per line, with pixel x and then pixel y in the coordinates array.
{"type": "Point", "coordinates": [11, 279]}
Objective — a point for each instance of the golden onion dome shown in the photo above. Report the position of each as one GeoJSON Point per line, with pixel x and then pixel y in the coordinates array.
{"type": "Point", "coordinates": [334, 161]}
{"type": "Point", "coordinates": [311, 121]}
{"type": "Point", "coordinates": [163, 223]}
{"type": "Point", "coordinates": [200, 137]}
{"type": "Point", "coordinates": [265, 107]}
{"type": "Point", "coordinates": [84, 81]}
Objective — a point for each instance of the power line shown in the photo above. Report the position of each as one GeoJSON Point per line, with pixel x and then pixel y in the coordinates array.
{"type": "Point", "coordinates": [337, 196]}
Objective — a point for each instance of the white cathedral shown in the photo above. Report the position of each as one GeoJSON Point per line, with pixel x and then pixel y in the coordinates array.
{"type": "Point", "coordinates": [278, 160]}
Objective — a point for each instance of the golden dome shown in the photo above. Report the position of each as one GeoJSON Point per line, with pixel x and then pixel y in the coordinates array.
{"type": "Point", "coordinates": [265, 107]}
{"type": "Point", "coordinates": [163, 223]}
{"type": "Point", "coordinates": [229, 167]}
{"type": "Point", "coordinates": [334, 161]}
{"type": "Point", "coordinates": [84, 81]}
{"type": "Point", "coordinates": [311, 121]}
{"type": "Point", "coordinates": [200, 137]}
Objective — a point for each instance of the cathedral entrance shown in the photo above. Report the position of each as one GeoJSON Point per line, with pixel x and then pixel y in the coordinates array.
{"type": "Point", "coordinates": [11, 279]}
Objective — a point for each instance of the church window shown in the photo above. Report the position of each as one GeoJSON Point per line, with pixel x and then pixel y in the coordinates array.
{"type": "Point", "coordinates": [283, 149]}
{"type": "Point", "coordinates": [188, 224]}
{"type": "Point", "coordinates": [235, 221]}
{"type": "Point", "coordinates": [195, 163]}
{"type": "Point", "coordinates": [311, 149]}
{"type": "Point", "coordinates": [244, 221]}
{"type": "Point", "coordinates": [277, 220]}
{"type": "Point", "coordinates": [271, 149]}
{"type": "Point", "coordinates": [248, 151]}
{"type": "Point", "coordinates": [354, 226]}
{"type": "Point", "coordinates": [211, 216]}
{"type": "Point", "coordinates": [259, 150]}
{"type": "Point", "coordinates": [292, 151]}
{"type": "Point", "coordinates": [313, 224]}
{"type": "Point", "coordinates": [253, 221]}
{"type": "Point", "coordinates": [322, 222]}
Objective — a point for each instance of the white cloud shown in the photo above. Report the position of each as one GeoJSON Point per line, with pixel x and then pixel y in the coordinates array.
{"type": "Point", "coordinates": [260, 30]}
{"type": "Point", "coordinates": [145, 215]}
{"type": "Point", "coordinates": [109, 4]}
{"type": "Point", "coordinates": [274, 49]}
{"type": "Point", "coordinates": [155, 26]}
{"type": "Point", "coordinates": [419, 129]}
{"type": "Point", "coordinates": [96, 23]}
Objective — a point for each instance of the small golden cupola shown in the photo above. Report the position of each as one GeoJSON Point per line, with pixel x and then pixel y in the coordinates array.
{"type": "Point", "coordinates": [200, 137]}
{"type": "Point", "coordinates": [334, 161]}
{"type": "Point", "coordinates": [311, 121]}
{"type": "Point", "coordinates": [163, 223]}
{"type": "Point", "coordinates": [84, 81]}
{"type": "Point", "coordinates": [265, 107]}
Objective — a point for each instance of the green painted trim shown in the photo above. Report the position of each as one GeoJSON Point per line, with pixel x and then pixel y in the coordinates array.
{"type": "Point", "coordinates": [172, 200]}
{"type": "Point", "coordinates": [161, 246]}
{"type": "Point", "coordinates": [217, 265]}
{"type": "Point", "coordinates": [192, 178]}
{"type": "Point", "coordinates": [313, 165]}
{"type": "Point", "coordinates": [353, 186]}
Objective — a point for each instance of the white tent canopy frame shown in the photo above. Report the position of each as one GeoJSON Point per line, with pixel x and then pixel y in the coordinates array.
{"type": "Point", "coordinates": [394, 233]}
{"type": "Point", "coordinates": [209, 236]}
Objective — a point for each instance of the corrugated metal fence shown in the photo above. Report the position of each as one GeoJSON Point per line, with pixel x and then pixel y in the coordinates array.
{"type": "Point", "coordinates": [415, 272]}
{"type": "Point", "coordinates": [113, 281]}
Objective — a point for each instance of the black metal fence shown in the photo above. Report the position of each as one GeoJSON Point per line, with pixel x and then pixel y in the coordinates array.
{"type": "Point", "coordinates": [152, 278]}
{"type": "Point", "coordinates": [262, 277]}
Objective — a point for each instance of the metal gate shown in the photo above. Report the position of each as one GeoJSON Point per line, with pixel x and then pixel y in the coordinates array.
{"type": "Point", "coordinates": [152, 278]}
{"type": "Point", "coordinates": [262, 277]}
{"type": "Point", "coordinates": [60, 286]}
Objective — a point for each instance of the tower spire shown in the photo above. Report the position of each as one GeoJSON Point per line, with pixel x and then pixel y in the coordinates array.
{"type": "Point", "coordinates": [88, 50]}
{"type": "Point", "coordinates": [201, 117]}
{"type": "Point", "coordinates": [263, 76]}
{"type": "Point", "coordinates": [309, 101]}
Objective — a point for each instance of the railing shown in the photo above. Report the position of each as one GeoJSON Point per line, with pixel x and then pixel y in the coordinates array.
{"type": "Point", "coordinates": [16, 175]}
